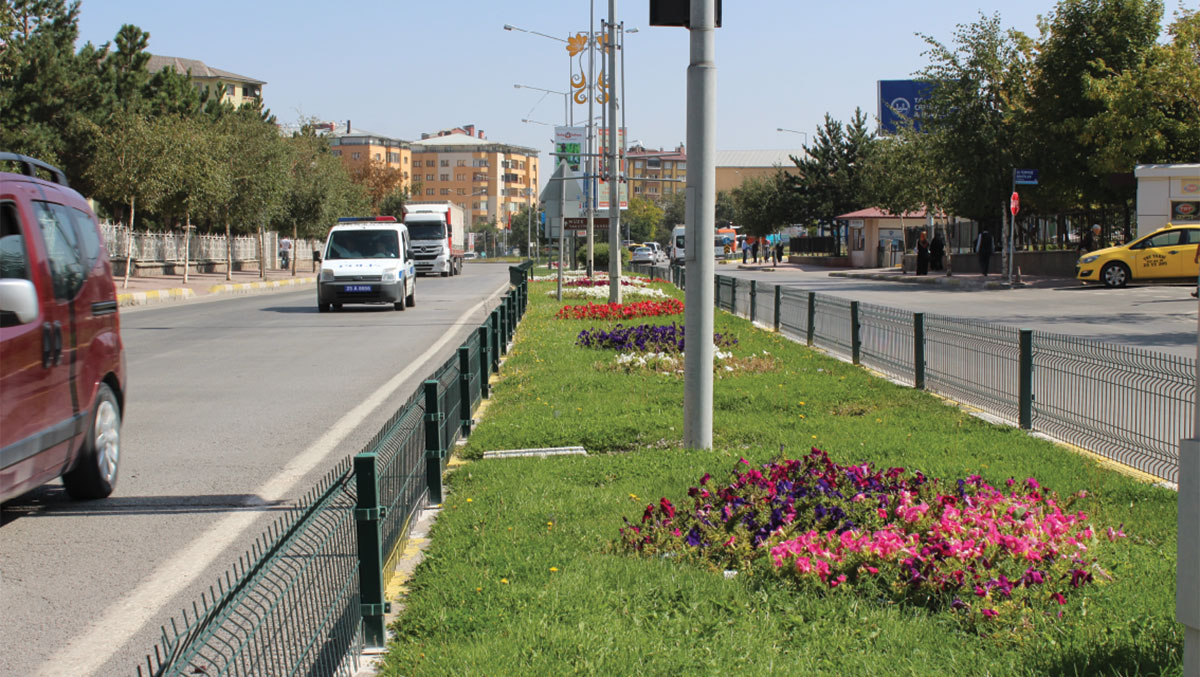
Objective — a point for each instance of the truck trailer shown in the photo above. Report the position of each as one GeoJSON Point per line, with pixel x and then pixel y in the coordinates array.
{"type": "Point", "coordinates": [438, 233]}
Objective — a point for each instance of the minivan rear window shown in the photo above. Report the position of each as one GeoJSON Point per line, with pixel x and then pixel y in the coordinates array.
{"type": "Point", "coordinates": [363, 244]}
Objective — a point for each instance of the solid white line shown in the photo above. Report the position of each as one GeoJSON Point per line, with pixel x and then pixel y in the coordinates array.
{"type": "Point", "coordinates": [119, 623]}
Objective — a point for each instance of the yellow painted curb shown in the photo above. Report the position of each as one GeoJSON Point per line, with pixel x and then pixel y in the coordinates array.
{"type": "Point", "coordinates": [141, 298]}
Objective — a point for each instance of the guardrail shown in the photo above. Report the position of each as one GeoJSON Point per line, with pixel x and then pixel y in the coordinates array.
{"type": "Point", "coordinates": [309, 594]}
{"type": "Point", "coordinates": [1129, 405]}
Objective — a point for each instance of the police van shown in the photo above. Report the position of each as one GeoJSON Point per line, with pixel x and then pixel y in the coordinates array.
{"type": "Point", "coordinates": [367, 260]}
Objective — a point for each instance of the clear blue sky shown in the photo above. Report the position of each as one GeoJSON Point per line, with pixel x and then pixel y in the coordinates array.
{"type": "Point", "coordinates": [402, 67]}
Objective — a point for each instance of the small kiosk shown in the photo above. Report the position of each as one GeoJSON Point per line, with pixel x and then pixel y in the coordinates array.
{"type": "Point", "coordinates": [1166, 194]}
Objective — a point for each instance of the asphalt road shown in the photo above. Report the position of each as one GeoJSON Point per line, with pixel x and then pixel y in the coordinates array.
{"type": "Point", "coordinates": [235, 407]}
{"type": "Point", "coordinates": [1155, 317]}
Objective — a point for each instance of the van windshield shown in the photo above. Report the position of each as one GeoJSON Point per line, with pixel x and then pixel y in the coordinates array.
{"type": "Point", "coordinates": [363, 244]}
{"type": "Point", "coordinates": [679, 241]}
{"type": "Point", "coordinates": [432, 230]}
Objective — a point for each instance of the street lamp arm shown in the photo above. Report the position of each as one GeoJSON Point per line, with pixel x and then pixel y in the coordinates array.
{"type": "Point", "coordinates": [510, 27]}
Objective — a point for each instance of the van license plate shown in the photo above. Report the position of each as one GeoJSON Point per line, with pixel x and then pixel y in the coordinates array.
{"type": "Point", "coordinates": [352, 288]}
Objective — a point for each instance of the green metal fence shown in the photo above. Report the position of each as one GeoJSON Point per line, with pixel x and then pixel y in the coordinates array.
{"type": "Point", "coordinates": [309, 594]}
{"type": "Point", "coordinates": [1129, 405]}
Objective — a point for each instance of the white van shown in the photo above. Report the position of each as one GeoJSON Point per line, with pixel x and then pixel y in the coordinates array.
{"type": "Point", "coordinates": [678, 252]}
{"type": "Point", "coordinates": [367, 260]}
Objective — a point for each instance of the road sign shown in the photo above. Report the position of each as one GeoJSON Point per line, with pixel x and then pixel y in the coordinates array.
{"type": "Point", "coordinates": [1014, 204]}
{"type": "Point", "coordinates": [1025, 177]}
{"type": "Point", "coordinates": [597, 222]}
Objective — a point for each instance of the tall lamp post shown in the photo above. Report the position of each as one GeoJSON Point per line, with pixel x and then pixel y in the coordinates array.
{"type": "Point", "coordinates": [794, 131]}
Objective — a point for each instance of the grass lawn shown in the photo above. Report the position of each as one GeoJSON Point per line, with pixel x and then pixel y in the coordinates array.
{"type": "Point", "coordinates": [521, 576]}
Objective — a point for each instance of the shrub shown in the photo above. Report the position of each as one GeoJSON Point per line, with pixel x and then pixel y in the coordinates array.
{"type": "Point", "coordinates": [600, 255]}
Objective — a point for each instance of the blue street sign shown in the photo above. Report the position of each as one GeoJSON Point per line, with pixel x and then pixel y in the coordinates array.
{"type": "Point", "coordinates": [1025, 176]}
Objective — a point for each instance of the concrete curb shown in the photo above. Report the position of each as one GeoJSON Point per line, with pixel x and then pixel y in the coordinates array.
{"type": "Point", "coordinates": [957, 282]}
{"type": "Point", "coordinates": [251, 287]}
{"type": "Point", "coordinates": [143, 298]}
{"type": "Point", "coordinates": [177, 294]}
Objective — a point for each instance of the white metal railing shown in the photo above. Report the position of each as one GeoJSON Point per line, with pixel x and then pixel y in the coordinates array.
{"type": "Point", "coordinates": [164, 247]}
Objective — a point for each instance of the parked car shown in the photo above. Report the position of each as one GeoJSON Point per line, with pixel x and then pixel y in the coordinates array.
{"type": "Point", "coordinates": [1167, 253]}
{"type": "Point", "coordinates": [62, 374]}
{"type": "Point", "coordinates": [467, 256]}
{"type": "Point", "coordinates": [643, 255]}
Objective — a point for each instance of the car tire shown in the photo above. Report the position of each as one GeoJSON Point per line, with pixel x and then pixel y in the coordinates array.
{"type": "Point", "coordinates": [1114, 275]}
{"type": "Point", "coordinates": [398, 305]}
{"type": "Point", "coordinates": [95, 473]}
{"type": "Point", "coordinates": [445, 273]}
{"type": "Point", "coordinates": [322, 307]}
{"type": "Point", "coordinates": [337, 306]}
{"type": "Point", "coordinates": [411, 299]}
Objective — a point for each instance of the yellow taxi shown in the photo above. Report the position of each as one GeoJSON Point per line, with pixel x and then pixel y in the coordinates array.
{"type": "Point", "coordinates": [1169, 252]}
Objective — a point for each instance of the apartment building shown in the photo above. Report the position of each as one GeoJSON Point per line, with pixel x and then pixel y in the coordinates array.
{"type": "Point", "coordinates": [655, 174]}
{"type": "Point", "coordinates": [357, 147]}
{"type": "Point", "coordinates": [239, 89]}
{"type": "Point", "coordinates": [490, 180]}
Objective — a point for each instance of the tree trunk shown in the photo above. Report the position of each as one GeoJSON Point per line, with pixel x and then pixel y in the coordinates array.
{"type": "Point", "coordinates": [187, 243]}
{"type": "Point", "coordinates": [228, 251]}
{"type": "Point", "coordinates": [129, 244]}
{"type": "Point", "coordinates": [948, 252]}
{"type": "Point", "coordinates": [295, 250]}
{"type": "Point", "coordinates": [262, 254]}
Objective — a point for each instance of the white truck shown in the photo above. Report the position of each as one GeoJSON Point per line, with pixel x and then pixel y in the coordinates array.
{"type": "Point", "coordinates": [438, 232]}
{"type": "Point", "coordinates": [678, 251]}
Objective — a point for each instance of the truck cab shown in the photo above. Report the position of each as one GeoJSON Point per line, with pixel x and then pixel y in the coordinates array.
{"type": "Point", "coordinates": [438, 234]}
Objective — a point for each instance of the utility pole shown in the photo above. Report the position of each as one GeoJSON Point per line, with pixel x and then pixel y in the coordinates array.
{"type": "Point", "coordinates": [701, 203]}
{"type": "Point", "coordinates": [591, 145]}
{"type": "Point", "coordinates": [1187, 553]}
{"type": "Point", "coordinates": [614, 164]}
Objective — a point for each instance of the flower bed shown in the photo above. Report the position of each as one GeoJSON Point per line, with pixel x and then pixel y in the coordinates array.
{"type": "Point", "coordinates": [621, 311]}
{"type": "Point", "coordinates": [993, 559]}
{"type": "Point", "coordinates": [602, 292]}
{"type": "Point", "coordinates": [643, 338]}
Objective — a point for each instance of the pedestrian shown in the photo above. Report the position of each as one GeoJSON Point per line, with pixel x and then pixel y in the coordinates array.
{"type": "Point", "coordinates": [1091, 240]}
{"type": "Point", "coordinates": [922, 254]}
{"type": "Point", "coordinates": [983, 250]}
{"type": "Point", "coordinates": [285, 252]}
{"type": "Point", "coordinates": [937, 250]}
{"type": "Point", "coordinates": [779, 251]}
{"type": "Point", "coordinates": [745, 250]}
{"type": "Point", "coordinates": [754, 249]}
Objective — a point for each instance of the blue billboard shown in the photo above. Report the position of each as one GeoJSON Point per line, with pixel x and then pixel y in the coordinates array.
{"type": "Point", "coordinates": [900, 99]}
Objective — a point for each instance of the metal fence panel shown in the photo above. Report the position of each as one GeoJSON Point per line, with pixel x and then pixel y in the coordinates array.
{"type": "Point", "coordinates": [290, 605]}
{"type": "Point", "coordinates": [887, 340]}
{"type": "Point", "coordinates": [1130, 405]}
{"type": "Point", "coordinates": [831, 323]}
{"type": "Point", "coordinates": [793, 313]}
{"type": "Point", "coordinates": [973, 362]}
{"type": "Point", "coordinates": [400, 449]}
{"type": "Point", "coordinates": [450, 399]}
{"type": "Point", "coordinates": [724, 292]}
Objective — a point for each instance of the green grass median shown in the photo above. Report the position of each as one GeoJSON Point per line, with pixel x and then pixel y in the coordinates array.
{"type": "Point", "coordinates": [524, 575]}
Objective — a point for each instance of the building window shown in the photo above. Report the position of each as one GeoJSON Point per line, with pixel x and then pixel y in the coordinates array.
{"type": "Point", "coordinates": [460, 163]}
{"type": "Point", "coordinates": [429, 177]}
{"type": "Point", "coordinates": [681, 166]}
{"type": "Point", "coordinates": [337, 153]}
{"type": "Point", "coordinates": [445, 163]}
{"type": "Point", "coordinates": [405, 159]}
{"type": "Point", "coordinates": [637, 190]}
{"type": "Point", "coordinates": [393, 157]}
{"type": "Point", "coordinates": [479, 177]}
{"type": "Point", "coordinates": [429, 191]}
{"type": "Point", "coordinates": [445, 191]}
{"type": "Point", "coordinates": [356, 156]}
{"type": "Point", "coordinates": [445, 177]}
{"type": "Point", "coordinates": [429, 163]}
{"type": "Point", "coordinates": [654, 163]}
{"type": "Point", "coordinates": [462, 191]}
{"type": "Point", "coordinates": [637, 164]}
{"type": "Point", "coordinates": [460, 177]}
{"type": "Point", "coordinates": [375, 156]}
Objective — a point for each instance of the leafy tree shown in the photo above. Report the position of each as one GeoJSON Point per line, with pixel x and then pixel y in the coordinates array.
{"type": "Point", "coordinates": [760, 204]}
{"type": "Point", "coordinates": [129, 167]}
{"type": "Point", "coordinates": [1083, 43]}
{"type": "Point", "coordinates": [196, 178]}
{"type": "Point", "coordinates": [643, 218]}
{"type": "Point", "coordinates": [379, 180]}
{"type": "Point", "coordinates": [674, 212]}
{"type": "Point", "coordinates": [970, 115]}
{"type": "Point", "coordinates": [393, 203]}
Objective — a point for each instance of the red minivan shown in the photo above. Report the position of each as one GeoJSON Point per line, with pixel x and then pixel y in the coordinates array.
{"type": "Point", "coordinates": [62, 363]}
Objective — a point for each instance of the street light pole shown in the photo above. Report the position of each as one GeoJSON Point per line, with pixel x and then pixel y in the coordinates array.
{"type": "Point", "coordinates": [701, 202]}
{"type": "Point", "coordinates": [614, 164]}
{"type": "Point", "coordinates": [794, 131]}
{"type": "Point", "coordinates": [591, 159]}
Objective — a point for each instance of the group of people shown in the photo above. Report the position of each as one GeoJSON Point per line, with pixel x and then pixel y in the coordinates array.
{"type": "Point", "coordinates": [751, 248]}
{"type": "Point", "coordinates": [930, 255]}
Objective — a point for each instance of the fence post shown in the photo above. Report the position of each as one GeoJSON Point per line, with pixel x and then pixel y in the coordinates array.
{"type": "Point", "coordinates": [464, 388]}
{"type": "Point", "coordinates": [484, 350]}
{"type": "Point", "coordinates": [494, 331]}
{"type": "Point", "coordinates": [433, 442]}
{"type": "Point", "coordinates": [778, 303]}
{"type": "Point", "coordinates": [1026, 379]}
{"type": "Point", "coordinates": [367, 515]}
{"type": "Point", "coordinates": [855, 334]}
{"type": "Point", "coordinates": [753, 300]}
{"type": "Point", "coordinates": [919, 351]}
{"type": "Point", "coordinates": [812, 316]}
{"type": "Point", "coordinates": [733, 296]}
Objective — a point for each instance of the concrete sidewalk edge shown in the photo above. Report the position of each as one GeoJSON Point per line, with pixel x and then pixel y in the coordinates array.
{"type": "Point", "coordinates": [155, 296]}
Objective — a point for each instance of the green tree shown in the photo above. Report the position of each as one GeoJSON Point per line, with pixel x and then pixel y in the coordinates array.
{"type": "Point", "coordinates": [196, 177]}
{"type": "Point", "coordinates": [830, 177]}
{"type": "Point", "coordinates": [643, 218]}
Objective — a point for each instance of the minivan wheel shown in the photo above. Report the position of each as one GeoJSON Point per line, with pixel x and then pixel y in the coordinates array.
{"type": "Point", "coordinates": [1115, 275]}
{"type": "Point", "coordinates": [323, 307]}
{"type": "Point", "coordinates": [411, 299]}
{"type": "Point", "coordinates": [95, 474]}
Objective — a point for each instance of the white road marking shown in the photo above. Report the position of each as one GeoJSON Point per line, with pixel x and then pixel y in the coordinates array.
{"type": "Point", "coordinates": [86, 654]}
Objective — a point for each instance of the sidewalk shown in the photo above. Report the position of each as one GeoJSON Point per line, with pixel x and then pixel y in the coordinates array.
{"type": "Point", "coordinates": [964, 281]}
{"type": "Point", "coordinates": [171, 288]}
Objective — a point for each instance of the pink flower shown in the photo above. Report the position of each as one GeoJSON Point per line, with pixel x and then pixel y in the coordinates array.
{"type": "Point", "coordinates": [990, 613]}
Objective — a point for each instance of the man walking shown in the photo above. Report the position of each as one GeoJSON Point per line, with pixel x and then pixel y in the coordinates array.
{"type": "Point", "coordinates": [1091, 240]}
{"type": "Point", "coordinates": [983, 250]}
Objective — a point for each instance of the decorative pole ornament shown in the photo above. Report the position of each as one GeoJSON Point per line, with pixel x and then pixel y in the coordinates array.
{"type": "Point", "coordinates": [576, 47]}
